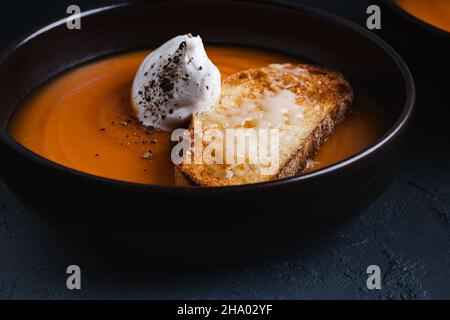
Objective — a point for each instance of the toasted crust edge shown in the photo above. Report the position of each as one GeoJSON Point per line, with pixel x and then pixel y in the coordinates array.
{"type": "Point", "coordinates": [299, 161]}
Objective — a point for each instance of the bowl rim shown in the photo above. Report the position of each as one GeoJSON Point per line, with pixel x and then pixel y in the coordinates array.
{"type": "Point", "coordinates": [393, 5]}
{"type": "Point", "coordinates": [397, 127]}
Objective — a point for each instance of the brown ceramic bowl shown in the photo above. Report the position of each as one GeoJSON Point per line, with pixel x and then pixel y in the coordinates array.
{"type": "Point", "coordinates": [192, 223]}
{"type": "Point", "coordinates": [426, 49]}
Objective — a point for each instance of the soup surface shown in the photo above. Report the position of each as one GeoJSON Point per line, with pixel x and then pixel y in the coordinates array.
{"type": "Point", "coordinates": [83, 119]}
{"type": "Point", "coordinates": [434, 12]}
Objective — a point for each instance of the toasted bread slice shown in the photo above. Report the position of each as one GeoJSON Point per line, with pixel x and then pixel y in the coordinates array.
{"type": "Point", "coordinates": [302, 102]}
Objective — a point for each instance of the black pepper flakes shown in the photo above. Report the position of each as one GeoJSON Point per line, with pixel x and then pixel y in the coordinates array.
{"type": "Point", "coordinates": [156, 95]}
{"type": "Point", "coordinates": [148, 155]}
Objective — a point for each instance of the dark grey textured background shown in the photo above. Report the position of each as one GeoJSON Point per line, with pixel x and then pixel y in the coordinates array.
{"type": "Point", "coordinates": [405, 232]}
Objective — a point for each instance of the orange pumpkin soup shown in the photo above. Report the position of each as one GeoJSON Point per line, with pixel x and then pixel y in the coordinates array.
{"type": "Point", "coordinates": [83, 119]}
{"type": "Point", "coordinates": [434, 12]}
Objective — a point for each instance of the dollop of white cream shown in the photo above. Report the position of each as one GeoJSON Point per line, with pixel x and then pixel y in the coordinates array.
{"type": "Point", "coordinates": [174, 82]}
